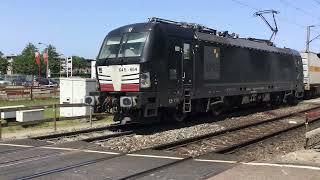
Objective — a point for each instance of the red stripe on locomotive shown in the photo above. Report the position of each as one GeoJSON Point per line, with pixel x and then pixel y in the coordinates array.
{"type": "Point", "coordinates": [129, 87]}
{"type": "Point", "coordinates": [106, 87]}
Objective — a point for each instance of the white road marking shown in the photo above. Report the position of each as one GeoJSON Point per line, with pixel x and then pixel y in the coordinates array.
{"type": "Point", "coordinates": [61, 148]}
{"type": "Point", "coordinates": [163, 157]}
{"type": "Point", "coordinates": [15, 145]}
{"type": "Point", "coordinates": [283, 165]}
{"type": "Point", "coordinates": [155, 156]}
{"type": "Point", "coordinates": [216, 161]}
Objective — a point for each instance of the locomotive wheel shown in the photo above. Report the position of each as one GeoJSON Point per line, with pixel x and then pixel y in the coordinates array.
{"type": "Point", "coordinates": [179, 117]}
{"type": "Point", "coordinates": [117, 117]}
{"type": "Point", "coordinates": [292, 100]}
{"type": "Point", "coordinates": [217, 110]}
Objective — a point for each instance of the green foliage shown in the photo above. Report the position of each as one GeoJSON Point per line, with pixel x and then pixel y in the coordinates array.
{"type": "Point", "coordinates": [24, 63]}
{"type": "Point", "coordinates": [3, 64]}
{"type": "Point", "coordinates": [78, 62]}
{"type": "Point", "coordinates": [53, 59]}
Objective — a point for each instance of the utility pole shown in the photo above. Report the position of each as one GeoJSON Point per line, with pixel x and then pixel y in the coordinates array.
{"type": "Point", "coordinates": [308, 37]}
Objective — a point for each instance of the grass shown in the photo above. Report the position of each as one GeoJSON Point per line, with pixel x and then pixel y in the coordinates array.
{"type": "Point", "coordinates": [48, 113]}
{"type": "Point", "coordinates": [34, 102]}
{"type": "Point", "coordinates": [61, 124]}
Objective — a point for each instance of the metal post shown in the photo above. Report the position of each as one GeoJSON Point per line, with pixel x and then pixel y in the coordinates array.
{"type": "Point", "coordinates": [0, 126]}
{"type": "Point", "coordinates": [55, 117]}
{"type": "Point", "coordinates": [31, 88]}
{"type": "Point", "coordinates": [308, 38]}
{"type": "Point", "coordinates": [90, 116]}
{"type": "Point", "coordinates": [307, 129]}
{"type": "Point", "coordinates": [47, 71]}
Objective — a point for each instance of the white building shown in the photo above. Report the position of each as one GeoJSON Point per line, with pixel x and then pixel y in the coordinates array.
{"type": "Point", "coordinates": [10, 59]}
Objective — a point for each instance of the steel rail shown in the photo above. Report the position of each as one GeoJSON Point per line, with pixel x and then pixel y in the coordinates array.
{"type": "Point", "coordinates": [225, 149]}
{"type": "Point", "coordinates": [111, 127]}
{"type": "Point", "coordinates": [133, 176]}
{"type": "Point", "coordinates": [194, 139]}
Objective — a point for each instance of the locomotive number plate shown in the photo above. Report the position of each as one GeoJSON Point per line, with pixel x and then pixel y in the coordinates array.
{"type": "Point", "coordinates": [128, 69]}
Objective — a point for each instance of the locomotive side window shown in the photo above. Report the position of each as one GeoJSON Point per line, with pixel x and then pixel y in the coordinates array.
{"type": "Point", "coordinates": [186, 51]}
{"type": "Point", "coordinates": [172, 74]}
{"type": "Point", "coordinates": [211, 65]}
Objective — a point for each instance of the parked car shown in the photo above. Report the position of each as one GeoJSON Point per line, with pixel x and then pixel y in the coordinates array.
{"type": "Point", "coordinates": [19, 82]}
{"type": "Point", "coordinates": [54, 82]}
{"type": "Point", "coordinates": [46, 82]}
{"type": "Point", "coordinates": [4, 82]}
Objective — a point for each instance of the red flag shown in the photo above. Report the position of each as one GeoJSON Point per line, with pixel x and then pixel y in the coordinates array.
{"type": "Point", "coordinates": [37, 58]}
{"type": "Point", "coordinates": [45, 58]}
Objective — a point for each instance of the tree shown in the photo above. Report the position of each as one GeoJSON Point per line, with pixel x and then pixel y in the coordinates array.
{"type": "Point", "coordinates": [78, 62]}
{"type": "Point", "coordinates": [3, 64]}
{"type": "Point", "coordinates": [54, 62]}
{"type": "Point", "coordinates": [24, 63]}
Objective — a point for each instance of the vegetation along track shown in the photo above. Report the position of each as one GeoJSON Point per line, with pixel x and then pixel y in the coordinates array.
{"type": "Point", "coordinates": [237, 136]}
{"type": "Point", "coordinates": [92, 134]}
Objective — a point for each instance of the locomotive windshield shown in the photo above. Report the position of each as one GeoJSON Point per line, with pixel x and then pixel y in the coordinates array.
{"type": "Point", "coordinates": [128, 45]}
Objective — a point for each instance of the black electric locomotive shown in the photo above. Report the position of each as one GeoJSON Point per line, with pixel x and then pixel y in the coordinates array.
{"type": "Point", "coordinates": [163, 68]}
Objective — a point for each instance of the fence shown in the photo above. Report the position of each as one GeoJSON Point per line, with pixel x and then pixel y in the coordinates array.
{"type": "Point", "coordinates": [27, 92]}
{"type": "Point", "coordinates": [309, 134]}
{"type": "Point", "coordinates": [54, 119]}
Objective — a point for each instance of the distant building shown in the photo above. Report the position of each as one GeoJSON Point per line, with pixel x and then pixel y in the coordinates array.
{"type": "Point", "coordinates": [10, 59]}
{"type": "Point", "coordinates": [87, 70]}
{"type": "Point", "coordinates": [63, 65]}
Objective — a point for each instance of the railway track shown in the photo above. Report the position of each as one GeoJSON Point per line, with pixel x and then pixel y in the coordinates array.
{"type": "Point", "coordinates": [230, 139]}
{"type": "Point", "coordinates": [92, 134]}
{"type": "Point", "coordinates": [222, 141]}
{"type": "Point", "coordinates": [234, 137]}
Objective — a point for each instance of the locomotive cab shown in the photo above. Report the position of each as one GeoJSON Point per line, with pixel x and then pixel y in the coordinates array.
{"type": "Point", "coordinates": [126, 72]}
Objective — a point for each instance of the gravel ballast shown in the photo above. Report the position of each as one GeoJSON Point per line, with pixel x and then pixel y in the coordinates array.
{"type": "Point", "coordinates": [141, 141]}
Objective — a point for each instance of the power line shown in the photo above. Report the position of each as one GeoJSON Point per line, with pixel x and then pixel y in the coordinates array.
{"type": "Point", "coordinates": [257, 9]}
{"type": "Point", "coordinates": [246, 5]}
{"type": "Point", "coordinates": [301, 9]}
{"type": "Point", "coordinates": [317, 1]}
{"type": "Point", "coordinates": [297, 8]}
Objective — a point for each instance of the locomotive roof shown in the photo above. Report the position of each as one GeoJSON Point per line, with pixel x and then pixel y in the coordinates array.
{"type": "Point", "coordinates": [245, 43]}
{"type": "Point", "coordinates": [192, 33]}
{"type": "Point", "coordinates": [137, 27]}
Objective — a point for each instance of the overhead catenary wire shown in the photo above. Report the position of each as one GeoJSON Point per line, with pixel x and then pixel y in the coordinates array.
{"type": "Point", "coordinates": [298, 9]}
{"type": "Point", "coordinates": [289, 21]}
{"type": "Point", "coordinates": [281, 18]}
{"type": "Point", "coordinates": [317, 2]}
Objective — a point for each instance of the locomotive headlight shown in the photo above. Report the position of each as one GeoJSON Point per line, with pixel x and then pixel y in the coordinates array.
{"type": "Point", "coordinates": [145, 80]}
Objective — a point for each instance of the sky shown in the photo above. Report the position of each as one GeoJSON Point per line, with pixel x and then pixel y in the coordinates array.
{"type": "Point", "coordinates": [78, 27]}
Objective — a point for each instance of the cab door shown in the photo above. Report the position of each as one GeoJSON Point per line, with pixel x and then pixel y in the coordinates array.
{"type": "Point", "coordinates": [174, 70]}
{"type": "Point", "coordinates": [187, 64]}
